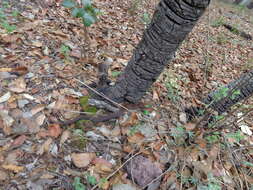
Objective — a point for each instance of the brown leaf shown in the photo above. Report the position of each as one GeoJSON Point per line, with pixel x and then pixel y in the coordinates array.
{"type": "Point", "coordinates": [65, 135]}
{"type": "Point", "coordinates": [19, 141]}
{"type": "Point", "coordinates": [13, 168]}
{"type": "Point", "coordinates": [82, 160]}
{"type": "Point", "coordinates": [136, 138]}
{"type": "Point", "coordinates": [18, 85]}
{"type": "Point", "coordinates": [102, 161]}
{"type": "Point", "coordinates": [3, 175]}
{"type": "Point", "coordinates": [54, 130]}
{"type": "Point", "coordinates": [44, 147]}
{"type": "Point", "coordinates": [131, 120]}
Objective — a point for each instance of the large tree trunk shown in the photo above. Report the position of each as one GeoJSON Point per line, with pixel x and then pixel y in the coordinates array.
{"type": "Point", "coordinates": [173, 20]}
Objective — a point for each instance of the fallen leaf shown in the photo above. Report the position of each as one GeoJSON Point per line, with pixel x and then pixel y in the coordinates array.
{"type": "Point", "coordinates": [13, 168]}
{"type": "Point", "coordinates": [130, 121]}
{"type": "Point", "coordinates": [37, 109]}
{"type": "Point", "coordinates": [136, 138]}
{"type": "Point", "coordinates": [18, 85]}
{"type": "Point", "coordinates": [45, 146]}
{"type": "Point", "coordinates": [54, 130]}
{"type": "Point", "coordinates": [102, 162]}
{"type": "Point", "coordinates": [65, 135]}
{"type": "Point", "coordinates": [82, 160]}
{"type": "Point", "coordinates": [3, 175]}
{"type": "Point", "coordinates": [19, 141]}
{"type": "Point", "coordinates": [5, 97]}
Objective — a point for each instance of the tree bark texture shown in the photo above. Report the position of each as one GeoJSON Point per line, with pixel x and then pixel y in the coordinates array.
{"type": "Point", "coordinates": [172, 21]}
{"type": "Point", "coordinates": [237, 90]}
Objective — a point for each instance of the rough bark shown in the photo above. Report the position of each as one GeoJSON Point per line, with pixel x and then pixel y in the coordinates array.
{"type": "Point", "coordinates": [171, 23]}
{"type": "Point", "coordinates": [237, 90]}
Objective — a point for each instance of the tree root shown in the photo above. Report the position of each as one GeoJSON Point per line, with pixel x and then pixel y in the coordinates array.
{"type": "Point", "coordinates": [238, 32]}
{"type": "Point", "coordinates": [95, 119]}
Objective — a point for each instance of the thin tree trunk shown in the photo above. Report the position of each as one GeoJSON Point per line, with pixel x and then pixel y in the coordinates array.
{"type": "Point", "coordinates": [221, 100]}
{"type": "Point", "coordinates": [172, 22]}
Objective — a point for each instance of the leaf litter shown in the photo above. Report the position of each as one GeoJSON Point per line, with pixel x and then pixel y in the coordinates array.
{"type": "Point", "coordinates": [49, 49]}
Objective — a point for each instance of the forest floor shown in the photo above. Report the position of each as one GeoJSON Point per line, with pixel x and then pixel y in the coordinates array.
{"type": "Point", "coordinates": [45, 58]}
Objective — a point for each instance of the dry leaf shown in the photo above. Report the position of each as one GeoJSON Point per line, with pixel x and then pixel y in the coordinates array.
{"type": "Point", "coordinates": [5, 97]}
{"type": "Point", "coordinates": [65, 135]}
{"type": "Point", "coordinates": [54, 130]}
{"type": "Point", "coordinates": [13, 168]}
{"type": "Point", "coordinates": [18, 85]}
{"type": "Point", "coordinates": [136, 138]}
{"type": "Point", "coordinates": [19, 141]}
{"type": "Point", "coordinates": [130, 121]}
{"type": "Point", "coordinates": [45, 146]}
{"type": "Point", "coordinates": [82, 160]}
{"type": "Point", "coordinates": [37, 109]}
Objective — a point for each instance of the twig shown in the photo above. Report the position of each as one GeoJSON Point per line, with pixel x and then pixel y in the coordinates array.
{"type": "Point", "coordinates": [102, 95]}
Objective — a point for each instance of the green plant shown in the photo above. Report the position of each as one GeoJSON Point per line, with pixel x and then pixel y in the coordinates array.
{"type": "Point", "coordinates": [87, 12]}
{"type": "Point", "coordinates": [91, 179]}
{"type": "Point", "coordinates": [116, 73]}
{"type": "Point", "coordinates": [4, 23]}
{"type": "Point", "coordinates": [218, 22]}
{"type": "Point", "coordinates": [213, 138]}
{"type": "Point", "coordinates": [172, 87]}
{"type": "Point", "coordinates": [222, 39]}
{"type": "Point", "coordinates": [133, 130]}
{"type": "Point", "coordinates": [237, 136]}
{"type": "Point", "coordinates": [78, 185]}
{"type": "Point", "coordinates": [146, 18]}
{"type": "Point", "coordinates": [15, 13]}
{"type": "Point", "coordinates": [102, 181]}
{"type": "Point", "coordinates": [65, 50]}
{"type": "Point", "coordinates": [9, 28]}
{"type": "Point", "coordinates": [134, 6]}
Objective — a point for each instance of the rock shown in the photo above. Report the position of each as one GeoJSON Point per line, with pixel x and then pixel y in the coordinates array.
{"type": "Point", "coordinates": [142, 170]}
{"type": "Point", "coordinates": [29, 75]}
{"type": "Point", "coordinates": [22, 103]}
{"type": "Point", "coordinates": [183, 117]}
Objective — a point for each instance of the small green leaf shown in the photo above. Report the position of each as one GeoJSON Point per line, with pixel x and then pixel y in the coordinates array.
{"type": "Point", "coordinates": [116, 73]}
{"type": "Point", "coordinates": [88, 19]}
{"type": "Point", "coordinates": [78, 185]}
{"type": "Point", "coordinates": [86, 3]}
{"type": "Point", "coordinates": [69, 4]}
{"type": "Point", "coordinates": [84, 101]}
{"type": "Point", "coordinates": [97, 11]}
{"type": "Point", "coordinates": [86, 107]}
{"type": "Point", "coordinates": [77, 12]}
{"type": "Point", "coordinates": [249, 164]}
{"type": "Point", "coordinates": [146, 112]}
{"type": "Point", "coordinates": [90, 109]}
{"type": "Point", "coordinates": [91, 180]}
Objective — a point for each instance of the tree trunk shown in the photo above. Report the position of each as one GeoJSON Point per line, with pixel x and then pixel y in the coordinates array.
{"type": "Point", "coordinates": [171, 23]}
{"type": "Point", "coordinates": [221, 100]}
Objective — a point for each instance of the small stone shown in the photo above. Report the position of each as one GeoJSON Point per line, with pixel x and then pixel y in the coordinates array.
{"type": "Point", "coordinates": [22, 103]}
{"type": "Point", "coordinates": [183, 117]}
{"type": "Point", "coordinates": [29, 75]}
